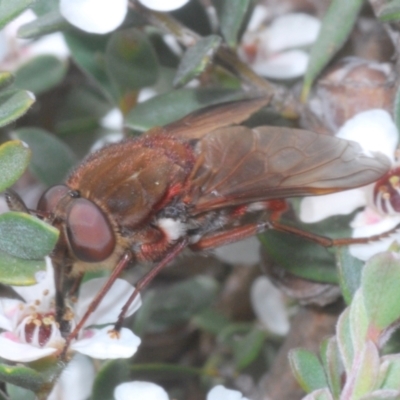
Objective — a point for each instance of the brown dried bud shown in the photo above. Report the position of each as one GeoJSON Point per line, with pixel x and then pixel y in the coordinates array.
{"type": "Point", "coordinates": [353, 85]}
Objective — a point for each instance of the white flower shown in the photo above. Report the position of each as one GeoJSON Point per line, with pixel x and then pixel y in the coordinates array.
{"type": "Point", "coordinates": [75, 382]}
{"type": "Point", "coordinates": [163, 5]}
{"type": "Point", "coordinates": [374, 130]}
{"type": "Point", "coordinates": [30, 331]}
{"type": "Point", "coordinates": [95, 16]}
{"type": "Point", "coordinates": [150, 391]}
{"type": "Point", "coordinates": [274, 50]}
{"type": "Point", "coordinates": [269, 307]}
{"type": "Point", "coordinates": [221, 393]}
{"type": "Point", "coordinates": [140, 390]}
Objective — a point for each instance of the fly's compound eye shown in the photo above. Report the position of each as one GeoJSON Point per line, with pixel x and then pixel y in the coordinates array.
{"type": "Point", "coordinates": [89, 232]}
{"type": "Point", "coordinates": [50, 198]}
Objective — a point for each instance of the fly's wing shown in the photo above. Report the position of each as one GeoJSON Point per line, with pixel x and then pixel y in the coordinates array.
{"type": "Point", "coordinates": [238, 165]}
{"type": "Point", "coordinates": [202, 122]}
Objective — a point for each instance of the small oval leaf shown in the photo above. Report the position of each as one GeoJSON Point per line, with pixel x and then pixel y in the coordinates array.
{"type": "Point", "coordinates": [14, 159]}
{"type": "Point", "coordinates": [349, 269]}
{"type": "Point", "coordinates": [196, 59]}
{"type": "Point", "coordinates": [231, 14]}
{"type": "Point", "coordinates": [131, 62]}
{"type": "Point", "coordinates": [11, 9]}
{"type": "Point", "coordinates": [25, 236]}
{"type": "Point", "coordinates": [52, 159]}
{"type": "Point", "coordinates": [18, 271]}
{"type": "Point", "coordinates": [21, 376]}
{"type": "Point", "coordinates": [14, 104]}
{"type": "Point", "coordinates": [307, 369]}
{"type": "Point", "coordinates": [43, 25]}
{"type": "Point", "coordinates": [40, 74]}
{"type": "Point", "coordinates": [380, 284]}
{"type": "Point", "coordinates": [390, 11]}
{"type": "Point", "coordinates": [341, 13]}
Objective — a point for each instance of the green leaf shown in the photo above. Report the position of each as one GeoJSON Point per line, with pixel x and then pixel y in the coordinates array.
{"type": "Point", "coordinates": [131, 62]}
{"type": "Point", "coordinates": [21, 376]}
{"type": "Point", "coordinates": [14, 159]}
{"type": "Point", "coordinates": [88, 51]}
{"type": "Point", "coordinates": [6, 79]}
{"type": "Point", "coordinates": [390, 11]}
{"type": "Point", "coordinates": [349, 269]}
{"type": "Point", "coordinates": [25, 236]}
{"type": "Point", "coordinates": [307, 369]}
{"type": "Point", "coordinates": [344, 339]}
{"type": "Point", "coordinates": [52, 159]}
{"type": "Point", "coordinates": [18, 271]}
{"type": "Point", "coordinates": [382, 395]}
{"type": "Point", "coordinates": [358, 322]}
{"type": "Point", "coordinates": [19, 393]}
{"type": "Point", "coordinates": [40, 74]}
{"type": "Point", "coordinates": [14, 104]}
{"type": "Point", "coordinates": [110, 375]}
{"type": "Point", "coordinates": [171, 106]}
{"type": "Point", "coordinates": [380, 287]}
{"type": "Point", "coordinates": [42, 7]}
{"type": "Point", "coordinates": [176, 304]}
{"type": "Point", "coordinates": [196, 59]}
{"type": "Point", "coordinates": [333, 365]}
{"type": "Point", "coordinates": [320, 394]}
{"type": "Point", "coordinates": [364, 375]}
{"type": "Point", "coordinates": [247, 348]}
{"type": "Point", "coordinates": [43, 25]}
{"type": "Point", "coordinates": [391, 367]}
{"type": "Point", "coordinates": [211, 321]}
{"type": "Point", "coordinates": [231, 14]}
{"type": "Point", "coordinates": [11, 9]}
{"type": "Point", "coordinates": [341, 13]}
{"type": "Point", "coordinates": [307, 259]}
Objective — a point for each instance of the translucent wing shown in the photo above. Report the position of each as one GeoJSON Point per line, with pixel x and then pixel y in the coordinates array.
{"type": "Point", "coordinates": [202, 122]}
{"type": "Point", "coordinates": [238, 165]}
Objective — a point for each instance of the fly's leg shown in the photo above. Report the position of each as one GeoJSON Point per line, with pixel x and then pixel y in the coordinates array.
{"type": "Point", "coordinates": [146, 279]}
{"type": "Point", "coordinates": [242, 232]}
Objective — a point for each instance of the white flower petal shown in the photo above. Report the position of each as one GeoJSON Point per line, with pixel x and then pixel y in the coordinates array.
{"type": "Point", "coordinates": [374, 130]}
{"type": "Point", "coordinates": [260, 14]}
{"type": "Point", "coordinates": [96, 16]}
{"type": "Point", "coordinates": [292, 30]}
{"type": "Point", "coordinates": [113, 119]}
{"type": "Point", "coordinates": [366, 251]}
{"type": "Point", "coordinates": [8, 309]}
{"type": "Point", "coordinates": [50, 44]}
{"type": "Point", "coordinates": [163, 5]}
{"type": "Point", "coordinates": [221, 393]}
{"type": "Point", "coordinates": [317, 208]}
{"type": "Point", "coordinates": [268, 305]}
{"type": "Point", "coordinates": [103, 345]}
{"type": "Point", "coordinates": [246, 251]}
{"type": "Point", "coordinates": [21, 352]}
{"type": "Point", "coordinates": [44, 285]}
{"type": "Point", "coordinates": [110, 306]}
{"type": "Point", "coordinates": [75, 382]}
{"type": "Point", "coordinates": [286, 65]}
{"type": "Point", "coordinates": [139, 390]}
